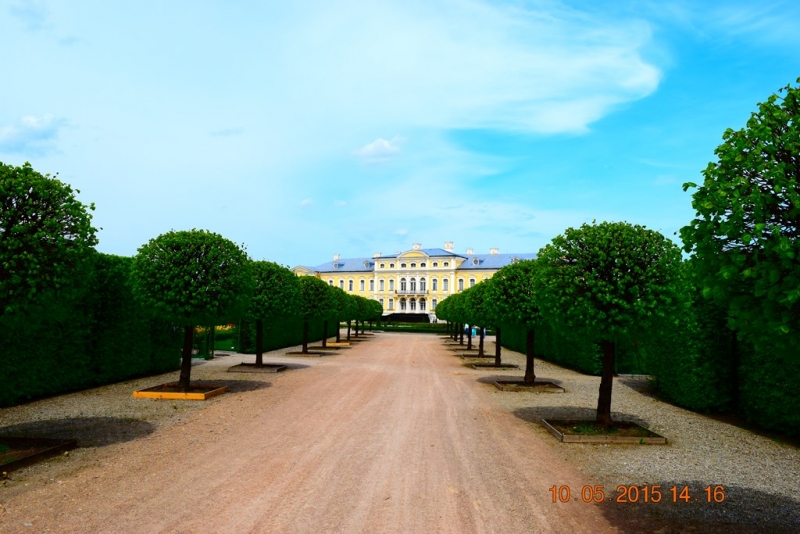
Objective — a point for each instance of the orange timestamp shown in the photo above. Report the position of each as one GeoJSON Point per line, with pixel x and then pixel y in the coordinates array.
{"type": "Point", "coordinates": [637, 494]}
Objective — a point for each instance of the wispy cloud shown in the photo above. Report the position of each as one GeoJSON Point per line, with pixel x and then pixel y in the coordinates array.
{"type": "Point", "coordinates": [31, 134]}
{"type": "Point", "coordinates": [379, 150]}
{"type": "Point", "coordinates": [306, 202]}
{"type": "Point", "coordinates": [228, 132]}
{"type": "Point", "coordinates": [775, 22]}
{"type": "Point", "coordinates": [32, 13]}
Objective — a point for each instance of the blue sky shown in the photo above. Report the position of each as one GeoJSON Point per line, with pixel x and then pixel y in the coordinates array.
{"type": "Point", "coordinates": [307, 128]}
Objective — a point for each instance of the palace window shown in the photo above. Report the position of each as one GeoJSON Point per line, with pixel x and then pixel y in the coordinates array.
{"type": "Point", "coordinates": [330, 282]}
{"type": "Point", "coordinates": [433, 304]}
{"type": "Point", "coordinates": [413, 285]}
{"type": "Point", "coordinates": [402, 304]}
{"type": "Point", "coordinates": [361, 285]}
{"type": "Point", "coordinates": [391, 304]}
{"type": "Point", "coordinates": [471, 282]}
{"type": "Point", "coordinates": [461, 284]}
{"type": "Point", "coordinates": [436, 264]}
{"type": "Point", "coordinates": [422, 284]}
{"type": "Point", "coordinates": [350, 285]}
{"type": "Point", "coordinates": [391, 285]}
{"type": "Point", "coordinates": [413, 305]}
{"type": "Point", "coordinates": [434, 284]}
{"type": "Point", "coordinates": [445, 284]}
{"type": "Point", "coordinates": [383, 265]}
{"type": "Point", "coordinates": [372, 285]}
{"type": "Point", "coordinates": [402, 265]}
{"type": "Point", "coordinates": [380, 284]}
{"type": "Point", "coordinates": [381, 301]}
{"type": "Point", "coordinates": [423, 265]}
{"type": "Point", "coordinates": [413, 265]}
{"type": "Point", "coordinates": [447, 264]}
{"type": "Point", "coordinates": [421, 304]}
{"type": "Point", "coordinates": [402, 284]}
{"type": "Point", "coordinates": [341, 283]}
{"type": "Point", "coordinates": [391, 265]}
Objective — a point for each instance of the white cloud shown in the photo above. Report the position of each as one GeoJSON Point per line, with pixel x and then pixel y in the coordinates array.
{"type": "Point", "coordinates": [30, 12]}
{"type": "Point", "coordinates": [379, 150]}
{"type": "Point", "coordinates": [31, 134]}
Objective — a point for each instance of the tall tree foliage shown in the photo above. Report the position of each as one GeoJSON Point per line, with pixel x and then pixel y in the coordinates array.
{"type": "Point", "coordinates": [608, 281]}
{"type": "Point", "coordinates": [316, 301]}
{"type": "Point", "coordinates": [747, 227]}
{"type": "Point", "coordinates": [192, 277]}
{"type": "Point", "coordinates": [512, 299]}
{"type": "Point", "coordinates": [45, 233]}
{"type": "Point", "coordinates": [478, 309]}
{"type": "Point", "coordinates": [276, 295]}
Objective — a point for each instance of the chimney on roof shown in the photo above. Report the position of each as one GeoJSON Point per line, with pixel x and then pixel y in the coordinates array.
{"type": "Point", "coordinates": [376, 255]}
{"type": "Point", "coordinates": [470, 251]}
{"type": "Point", "coordinates": [448, 245]}
{"type": "Point", "coordinates": [494, 251]}
{"type": "Point", "coordinates": [336, 257]}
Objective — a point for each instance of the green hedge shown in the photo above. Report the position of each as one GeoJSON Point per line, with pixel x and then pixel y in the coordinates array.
{"type": "Point", "coordinates": [422, 328]}
{"type": "Point", "coordinates": [558, 347]}
{"type": "Point", "coordinates": [90, 334]}
{"type": "Point", "coordinates": [283, 333]}
{"type": "Point", "coordinates": [695, 363]}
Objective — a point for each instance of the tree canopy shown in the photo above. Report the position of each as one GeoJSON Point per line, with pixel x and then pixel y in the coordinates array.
{"type": "Point", "coordinates": [747, 226]}
{"type": "Point", "coordinates": [316, 298]}
{"type": "Point", "coordinates": [45, 232]}
{"type": "Point", "coordinates": [608, 281]}
{"type": "Point", "coordinates": [193, 277]}
{"type": "Point", "coordinates": [277, 291]}
{"type": "Point", "coordinates": [511, 294]}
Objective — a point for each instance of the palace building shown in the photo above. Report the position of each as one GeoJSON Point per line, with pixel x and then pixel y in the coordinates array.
{"type": "Point", "coordinates": [411, 282]}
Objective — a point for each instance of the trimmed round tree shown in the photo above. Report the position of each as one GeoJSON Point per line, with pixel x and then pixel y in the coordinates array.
{"type": "Point", "coordinates": [276, 295]}
{"type": "Point", "coordinates": [342, 308]}
{"type": "Point", "coordinates": [192, 277]}
{"type": "Point", "coordinates": [512, 298]}
{"type": "Point", "coordinates": [478, 310]}
{"type": "Point", "coordinates": [316, 302]}
{"type": "Point", "coordinates": [746, 233]}
{"type": "Point", "coordinates": [608, 281]}
{"type": "Point", "coordinates": [45, 233]}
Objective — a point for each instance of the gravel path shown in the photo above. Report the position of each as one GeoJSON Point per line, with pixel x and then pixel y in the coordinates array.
{"type": "Point", "coordinates": [760, 476]}
{"type": "Point", "coordinates": [393, 435]}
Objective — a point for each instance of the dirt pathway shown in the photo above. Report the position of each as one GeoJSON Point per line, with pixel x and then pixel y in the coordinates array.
{"type": "Point", "coordinates": [389, 436]}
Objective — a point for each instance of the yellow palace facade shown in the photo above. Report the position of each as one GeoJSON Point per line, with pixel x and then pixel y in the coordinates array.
{"type": "Point", "coordinates": [414, 281]}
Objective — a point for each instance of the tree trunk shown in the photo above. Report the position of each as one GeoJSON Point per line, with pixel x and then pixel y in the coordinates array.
{"type": "Point", "coordinates": [259, 343]}
{"type": "Point", "coordinates": [186, 358]}
{"type": "Point", "coordinates": [606, 383]}
{"type": "Point", "coordinates": [497, 360]}
{"type": "Point", "coordinates": [469, 337]}
{"type": "Point", "coordinates": [480, 342]}
{"type": "Point", "coordinates": [338, 331]}
{"type": "Point", "coordinates": [348, 329]}
{"type": "Point", "coordinates": [530, 376]}
{"type": "Point", "coordinates": [461, 333]}
{"type": "Point", "coordinates": [325, 334]}
{"type": "Point", "coordinates": [305, 337]}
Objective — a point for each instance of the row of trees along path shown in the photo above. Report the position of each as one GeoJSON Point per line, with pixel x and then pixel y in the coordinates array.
{"type": "Point", "coordinates": [606, 282]}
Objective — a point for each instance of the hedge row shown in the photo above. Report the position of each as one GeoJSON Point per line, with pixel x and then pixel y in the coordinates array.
{"type": "Point", "coordinates": [697, 364]}
{"type": "Point", "coordinates": [282, 333]}
{"type": "Point", "coordinates": [91, 334]}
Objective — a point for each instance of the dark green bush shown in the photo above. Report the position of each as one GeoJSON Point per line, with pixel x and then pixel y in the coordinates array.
{"type": "Point", "coordinates": [90, 334]}
{"type": "Point", "coordinates": [282, 333]}
{"type": "Point", "coordinates": [558, 347]}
